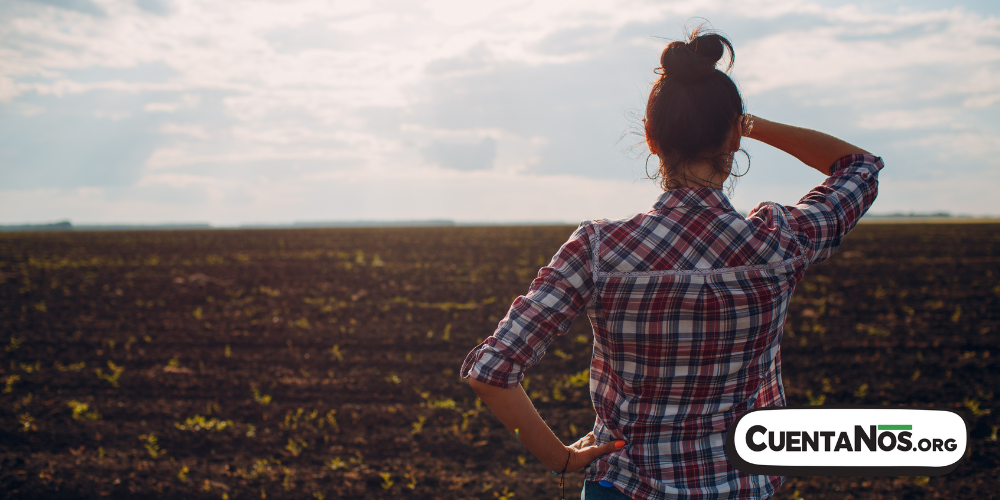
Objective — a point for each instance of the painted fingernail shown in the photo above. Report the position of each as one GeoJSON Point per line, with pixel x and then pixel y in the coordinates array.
{"type": "Point", "coordinates": [619, 443]}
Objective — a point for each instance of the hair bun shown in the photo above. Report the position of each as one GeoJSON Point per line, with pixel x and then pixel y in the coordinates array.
{"type": "Point", "coordinates": [694, 60]}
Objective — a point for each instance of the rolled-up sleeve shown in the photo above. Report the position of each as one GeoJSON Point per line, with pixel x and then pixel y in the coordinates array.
{"type": "Point", "coordinates": [822, 218]}
{"type": "Point", "coordinates": [558, 294]}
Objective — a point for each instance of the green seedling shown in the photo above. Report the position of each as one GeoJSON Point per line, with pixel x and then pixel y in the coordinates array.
{"type": "Point", "coordinates": [263, 399]}
{"type": "Point", "coordinates": [75, 367]}
{"type": "Point", "coordinates": [8, 386]}
{"type": "Point", "coordinates": [151, 446]}
{"type": "Point", "coordinates": [418, 426]}
{"type": "Point", "coordinates": [183, 474]}
{"type": "Point", "coordinates": [581, 379]}
{"type": "Point", "coordinates": [83, 412]}
{"type": "Point", "coordinates": [973, 406]}
{"type": "Point", "coordinates": [862, 391]}
{"type": "Point", "coordinates": [386, 482]}
{"type": "Point", "coordinates": [815, 400]}
{"type": "Point", "coordinates": [826, 385]}
{"type": "Point", "coordinates": [465, 419]}
{"type": "Point", "coordinates": [294, 420]}
{"type": "Point", "coordinates": [412, 480]}
{"type": "Point", "coordinates": [442, 404]}
{"type": "Point", "coordinates": [27, 422]}
{"type": "Point", "coordinates": [262, 467]}
{"type": "Point", "coordinates": [332, 420]}
{"type": "Point", "coordinates": [296, 446]}
{"type": "Point", "coordinates": [113, 376]}
{"type": "Point", "coordinates": [25, 401]}
{"type": "Point", "coordinates": [336, 463]}
{"type": "Point", "coordinates": [15, 343]}
{"type": "Point", "coordinates": [557, 393]}
{"type": "Point", "coordinates": [199, 423]}
{"type": "Point", "coordinates": [505, 495]}
{"type": "Point", "coordinates": [251, 430]}
{"type": "Point", "coordinates": [29, 368]}
{"type": "Point", "coordinates": [335, 351]}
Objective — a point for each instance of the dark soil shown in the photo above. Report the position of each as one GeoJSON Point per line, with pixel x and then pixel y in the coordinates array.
{"type": "Point", "coordinates": [323, 363]}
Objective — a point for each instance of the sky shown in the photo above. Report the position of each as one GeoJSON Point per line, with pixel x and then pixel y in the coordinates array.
{"type": "Point", "coordinates": [246, 112]}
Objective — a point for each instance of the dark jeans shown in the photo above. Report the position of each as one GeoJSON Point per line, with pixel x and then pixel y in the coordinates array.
{"type": "Point", "coordinates": [594, 491]}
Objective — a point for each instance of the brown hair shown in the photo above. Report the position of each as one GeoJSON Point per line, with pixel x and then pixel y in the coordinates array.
{"type": "Point", "coordinates": [693, 107]}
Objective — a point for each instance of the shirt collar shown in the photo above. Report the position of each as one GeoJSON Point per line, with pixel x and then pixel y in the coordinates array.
{"type": "Point", "coordinates": [693, 197]}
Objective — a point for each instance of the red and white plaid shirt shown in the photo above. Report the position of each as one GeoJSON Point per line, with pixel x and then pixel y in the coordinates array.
{"type": "Point", "coordinates": [687, 303]}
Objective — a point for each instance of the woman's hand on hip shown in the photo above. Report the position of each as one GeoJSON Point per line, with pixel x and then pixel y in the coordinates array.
{"type": "Point", "coordinates": [585, 451]}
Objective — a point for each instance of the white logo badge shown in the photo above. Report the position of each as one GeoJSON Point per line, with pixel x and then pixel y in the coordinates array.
{"type": "Point", "coordinates": [858, 441]}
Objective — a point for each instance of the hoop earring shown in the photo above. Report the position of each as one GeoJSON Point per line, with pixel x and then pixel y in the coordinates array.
{"type": "Point", "coordinates": [735, 176]}
{"type": "Point", "coordinates": [735, 163]}
{"type": "Point", "coordinates": [646, 168]}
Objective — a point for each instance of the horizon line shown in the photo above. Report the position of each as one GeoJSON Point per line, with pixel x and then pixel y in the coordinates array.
{"type": "Point", "coordinates": [66, 225]}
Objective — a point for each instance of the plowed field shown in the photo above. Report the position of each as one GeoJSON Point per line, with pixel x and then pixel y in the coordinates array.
{"type": "Point", "coordinates": [323, 363]}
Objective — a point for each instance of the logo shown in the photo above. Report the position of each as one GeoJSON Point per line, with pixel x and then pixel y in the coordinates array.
{"type": "Point", "coordinates": [847, 441]}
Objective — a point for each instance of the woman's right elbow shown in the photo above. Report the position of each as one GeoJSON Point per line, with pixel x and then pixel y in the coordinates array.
{"type": "Point", "coordinates": [482, 388]}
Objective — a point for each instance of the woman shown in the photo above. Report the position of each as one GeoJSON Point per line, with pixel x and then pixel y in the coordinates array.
{"type": "Point", "coordinates": [687, 301]}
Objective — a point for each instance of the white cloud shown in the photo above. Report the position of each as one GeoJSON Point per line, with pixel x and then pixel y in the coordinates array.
{"type": "Point", "coordinates": [223, 96]}
{"type": "Point", "coordinates": [910, 119]}
{"type": "Point", "coordinates": [112, 115]}
{"type": "Point", "coordinates": [186, 101]}
{"type": "Point", "coordinates": [193, 131]}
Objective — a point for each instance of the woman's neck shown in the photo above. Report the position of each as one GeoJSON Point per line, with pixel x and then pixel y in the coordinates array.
{"type": "Point", "coordinates": [698, 174]}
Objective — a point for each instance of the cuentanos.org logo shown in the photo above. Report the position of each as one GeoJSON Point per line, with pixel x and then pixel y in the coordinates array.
{"type": "Point", "coordinates": [847, 441]}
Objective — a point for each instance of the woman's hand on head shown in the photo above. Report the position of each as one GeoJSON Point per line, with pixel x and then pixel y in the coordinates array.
{"type": "Point", "coordinates": [585, 451]}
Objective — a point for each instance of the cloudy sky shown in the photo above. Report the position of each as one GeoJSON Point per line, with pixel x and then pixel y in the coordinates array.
{"type": "Point", "coordinates": [153, 111]}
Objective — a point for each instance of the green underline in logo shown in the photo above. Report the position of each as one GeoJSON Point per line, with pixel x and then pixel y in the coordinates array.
{"type": "Point", "coordinates": [895, 427]}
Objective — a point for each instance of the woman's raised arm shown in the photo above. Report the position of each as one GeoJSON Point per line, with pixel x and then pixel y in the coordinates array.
{"type": "Point", "coordinates": [816, 149]}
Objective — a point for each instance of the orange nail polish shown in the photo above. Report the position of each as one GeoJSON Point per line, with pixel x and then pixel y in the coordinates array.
{"type": "Point", "coordinates": [619, 443]}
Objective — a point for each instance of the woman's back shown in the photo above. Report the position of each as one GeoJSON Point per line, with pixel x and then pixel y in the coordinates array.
{"type": "Point", "coordinates": [687, 301]}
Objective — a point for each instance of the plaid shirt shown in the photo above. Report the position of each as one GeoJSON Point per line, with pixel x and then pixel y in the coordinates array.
{"type": "Point", "coordinates": [687, 303]}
